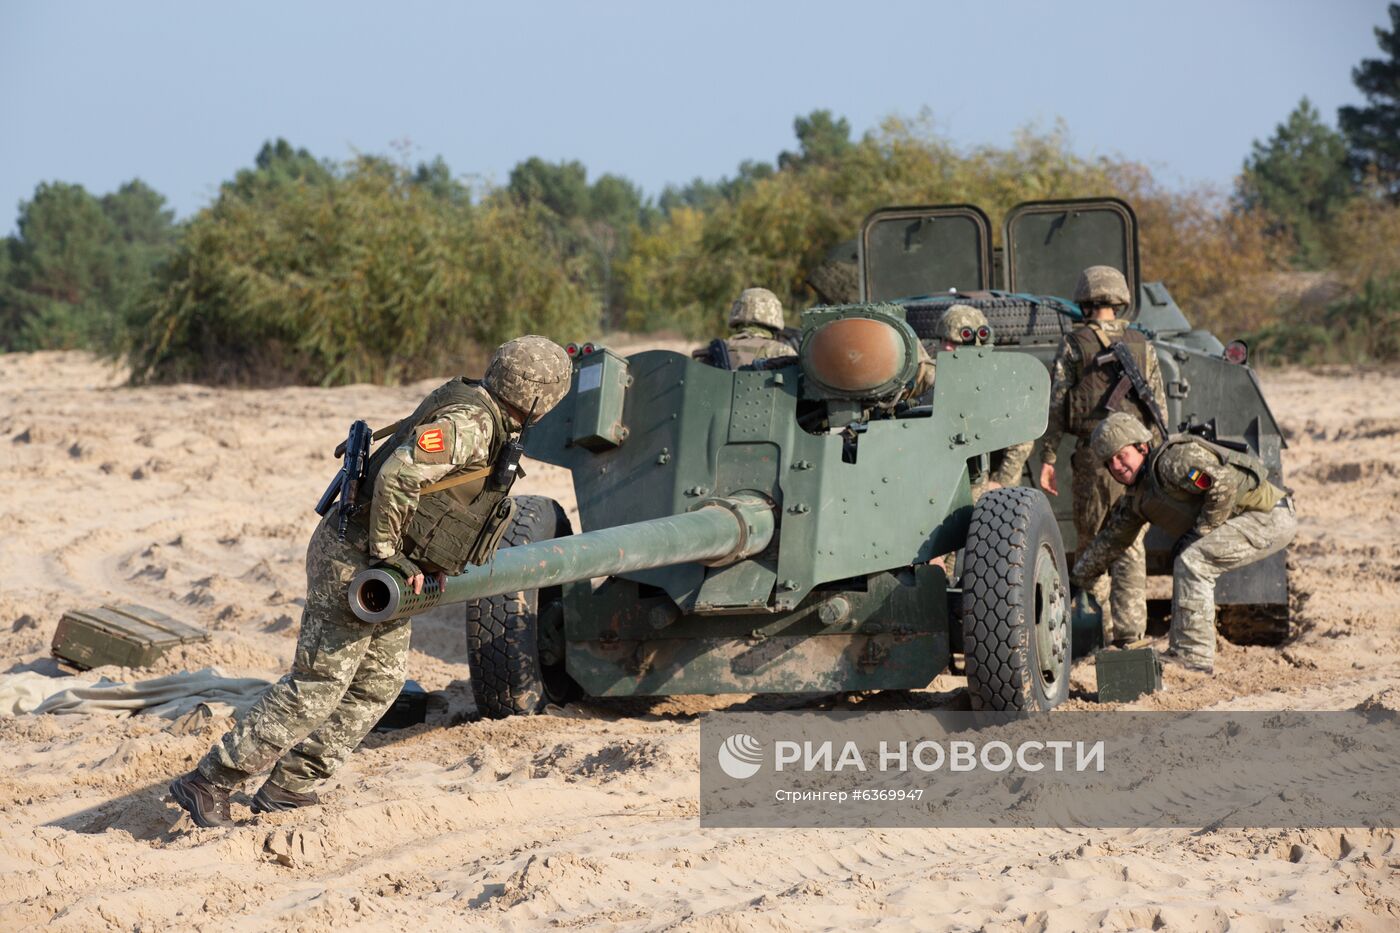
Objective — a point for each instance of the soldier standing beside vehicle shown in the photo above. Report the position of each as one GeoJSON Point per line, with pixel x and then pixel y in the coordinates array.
{"type": "Point", "coordinates": [420, 521]}
{"type": "Point", "coordinates": [1216, 501]}
{"type": "Point", "coordinates": [755, 324]}
{"type": "Point", "coordinates": [1083, 378]}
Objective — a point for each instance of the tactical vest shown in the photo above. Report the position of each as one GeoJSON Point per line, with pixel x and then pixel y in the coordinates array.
{"type": "Point", "coordinates": [1176, 510]}
{"type": "Point", "coordinates": [463, 524]}
{"type": "Point", "coordinates": [750, 343]}
{"type": "Point", "coordinates": [744, 352]}
{"type": "Point", "coordinates": [1097, 381]}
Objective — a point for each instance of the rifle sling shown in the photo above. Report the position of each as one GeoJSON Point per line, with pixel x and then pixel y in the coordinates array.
{"type": "Point", "coordinates": [455, 481]}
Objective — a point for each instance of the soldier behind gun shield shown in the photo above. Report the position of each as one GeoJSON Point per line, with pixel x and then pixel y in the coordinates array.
{"type": "Point", "coordinates": [1085, 381]}
{"type": "Point", "coordinates": [437, 502]}
{"type": "Point", "coordinates": [755, 330]}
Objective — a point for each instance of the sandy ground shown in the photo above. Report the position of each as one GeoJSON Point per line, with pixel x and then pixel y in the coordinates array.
{"type": "Point", "coordinates": [197, 502]}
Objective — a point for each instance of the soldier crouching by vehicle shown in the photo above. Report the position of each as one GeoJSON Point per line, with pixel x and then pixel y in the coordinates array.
{"type": "Point", "coordinates": [419, 520]}
{"type": "Point", "coordinates": [1216, 501]}
{"type": "Point", "coordinates": [755, 328]}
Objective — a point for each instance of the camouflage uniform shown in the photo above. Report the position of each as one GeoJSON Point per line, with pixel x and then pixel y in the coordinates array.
{"type": "Point", "coordinates": [751, 342]}
{"type": "Point", "coordinates": [1225, 513]}
{"type": "Point", "coordinates": [923, 375]}
{"type": "Point", "coordinates": [958, 322]}
{"type": "Point", "coordinates": [1124, 593]}
{"type": "Point", "coordinates": [346, 673]}
{"type": "Point", "coordinates": [1008, 472]}
{"type": "Point", "coordinates": [755, 320]}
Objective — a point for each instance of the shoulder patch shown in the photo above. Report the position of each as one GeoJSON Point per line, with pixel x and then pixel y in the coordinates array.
{"type": "Point", "coordinates": [1199, 478]}
{"type": "Point", "coordinates": [432, 443]}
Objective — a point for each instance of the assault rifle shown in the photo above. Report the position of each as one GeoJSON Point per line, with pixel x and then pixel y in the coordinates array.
{"type": "Point", "coordinates": [1206, 430]}
{"type": "Point", "coordinates": [717, 354]}
{"type": "Point", "coordinates": [346, 484]}
{"type": "Point", "coordinates": [1132, 380]}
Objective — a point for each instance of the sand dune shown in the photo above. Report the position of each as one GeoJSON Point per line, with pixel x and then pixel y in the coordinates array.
{"type": "Point", "coordinates": [197, 502]}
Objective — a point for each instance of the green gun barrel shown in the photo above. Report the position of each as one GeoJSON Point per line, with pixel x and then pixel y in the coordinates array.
{"type": "Point", "coordinates": [719, 532]}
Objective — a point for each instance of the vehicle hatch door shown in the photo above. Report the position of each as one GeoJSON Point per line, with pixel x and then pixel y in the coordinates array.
{"type": "Point", "coordinates": [1048, 243]}
{"type": "Point", "coordinates": [906, 252]}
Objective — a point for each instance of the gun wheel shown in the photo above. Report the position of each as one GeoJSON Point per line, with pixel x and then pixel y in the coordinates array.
{"type": "Point", "coordinates": [1015, 604]}
{"type": "Point", "coordinates": [515, 642]}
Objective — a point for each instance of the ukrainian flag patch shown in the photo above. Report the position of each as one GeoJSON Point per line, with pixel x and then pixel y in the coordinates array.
{"type": "Point", "coordinates": [1199, 478]}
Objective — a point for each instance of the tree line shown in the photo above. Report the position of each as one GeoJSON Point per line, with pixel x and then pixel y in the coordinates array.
{"type": "Point", "coordinates": [309, 270]}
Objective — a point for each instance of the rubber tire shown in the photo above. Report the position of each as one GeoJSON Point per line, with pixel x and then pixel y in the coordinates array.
{"type": "Point", "coordinates": [1008, 529]}
{"type": "Point", "coordinates": [503, 631]}
{"type": "Point", "coordinates": [1013, 320]}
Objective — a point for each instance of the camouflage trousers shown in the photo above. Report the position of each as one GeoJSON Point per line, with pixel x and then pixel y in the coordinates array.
{"type": "Point", "coordinates": [1242, 540]}
{"type": "Point", "coordinates": [1122, 592]}
{"type": "Point", "coordinates": [345, 675]}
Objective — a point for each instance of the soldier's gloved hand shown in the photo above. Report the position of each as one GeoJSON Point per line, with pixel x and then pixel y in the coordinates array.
{"type": "Point", "coordinates": [1184, 542]}
{"type": "Point", "coordinates": [411, 572]}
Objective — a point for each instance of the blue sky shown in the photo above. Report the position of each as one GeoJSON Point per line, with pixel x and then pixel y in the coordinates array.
{"type": "Point", "coordinates": [183, 94]}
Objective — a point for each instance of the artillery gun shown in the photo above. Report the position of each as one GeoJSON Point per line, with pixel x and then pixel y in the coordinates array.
{"type": "Point", "coordinates": [926, 258]}
{"type": "Point", "coordinates": [771, 530]}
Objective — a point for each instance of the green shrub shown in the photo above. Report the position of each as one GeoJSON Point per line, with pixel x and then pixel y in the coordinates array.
{"type": "Point", "coordinates": [1360, 327]}
{"type": "Point", "coordinates": [365, 276]}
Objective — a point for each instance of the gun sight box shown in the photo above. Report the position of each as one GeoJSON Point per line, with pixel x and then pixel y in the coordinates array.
{"type": "Point", "coordinates": [127, 636]}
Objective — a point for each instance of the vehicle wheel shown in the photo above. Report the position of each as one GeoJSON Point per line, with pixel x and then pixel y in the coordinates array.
{"type": "Point", "coordinates": [1015, 604]}
{"type": "Point", "coordinates": [515, 642]}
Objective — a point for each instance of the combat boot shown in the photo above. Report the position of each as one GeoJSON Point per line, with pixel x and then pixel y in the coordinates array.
{"type": "Point", "coordinates": [1173, 657]}
{"type": "Point", "coordinates": [271, 799]}
{"type": "Point", "coordinates": [205, 801]}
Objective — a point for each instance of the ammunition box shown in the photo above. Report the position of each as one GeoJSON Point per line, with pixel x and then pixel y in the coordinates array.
{"type": "Point", "coordinates": [127, 636]}
{"type": "Point", "coordinates": [410, 708]}
{"type": "Point", "coordinates": [1127, 674]}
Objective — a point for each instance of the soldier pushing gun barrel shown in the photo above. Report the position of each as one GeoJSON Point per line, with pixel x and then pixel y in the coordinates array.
{"type": "Point", "coordinates": [429, 501]}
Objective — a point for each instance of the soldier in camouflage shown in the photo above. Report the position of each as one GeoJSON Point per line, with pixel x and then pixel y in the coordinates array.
{"type": "Point", "coordinates": [1217, 502]}
{"type": "Point", "coordinates": [1080, 385]}
{"type": "Point", "coordinates": [432, 510]}
{"type": "Point", "coordinates": [755, 321]}
{"type": "Point", "coordinates": [964, 325]}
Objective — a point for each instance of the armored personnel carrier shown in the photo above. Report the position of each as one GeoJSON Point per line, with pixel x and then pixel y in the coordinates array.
{"type": "Point", "coordinates": [926, 258]}
{"type": "Point", "coordinates": [771, 530]}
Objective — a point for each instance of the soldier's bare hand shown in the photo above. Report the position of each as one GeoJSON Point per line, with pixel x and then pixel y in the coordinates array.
{"type": "Point", "coordinates": [992, 484]}
{"type": "Point", "coordinates": [418, 579]}
{"type": "Point", "coordinates": [1047, 479]}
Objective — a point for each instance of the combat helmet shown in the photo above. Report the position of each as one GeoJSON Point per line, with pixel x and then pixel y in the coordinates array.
{"type": "Point", "coordinates": [530, 372]}
{"type": "Point", "coordinates": [1114, 433]}
{"type": "Point", "coordinates": [965, 324]}
{"type": "Point", "coordinates": [757, 306]}
{"type": "Point", "coordinates": [1102, 285]}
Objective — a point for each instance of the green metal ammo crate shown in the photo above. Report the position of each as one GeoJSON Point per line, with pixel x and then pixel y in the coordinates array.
{"type": "Point", "coordinates": [128, 636]}
{"type": "Point", "coordinates": [1127, 674]}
